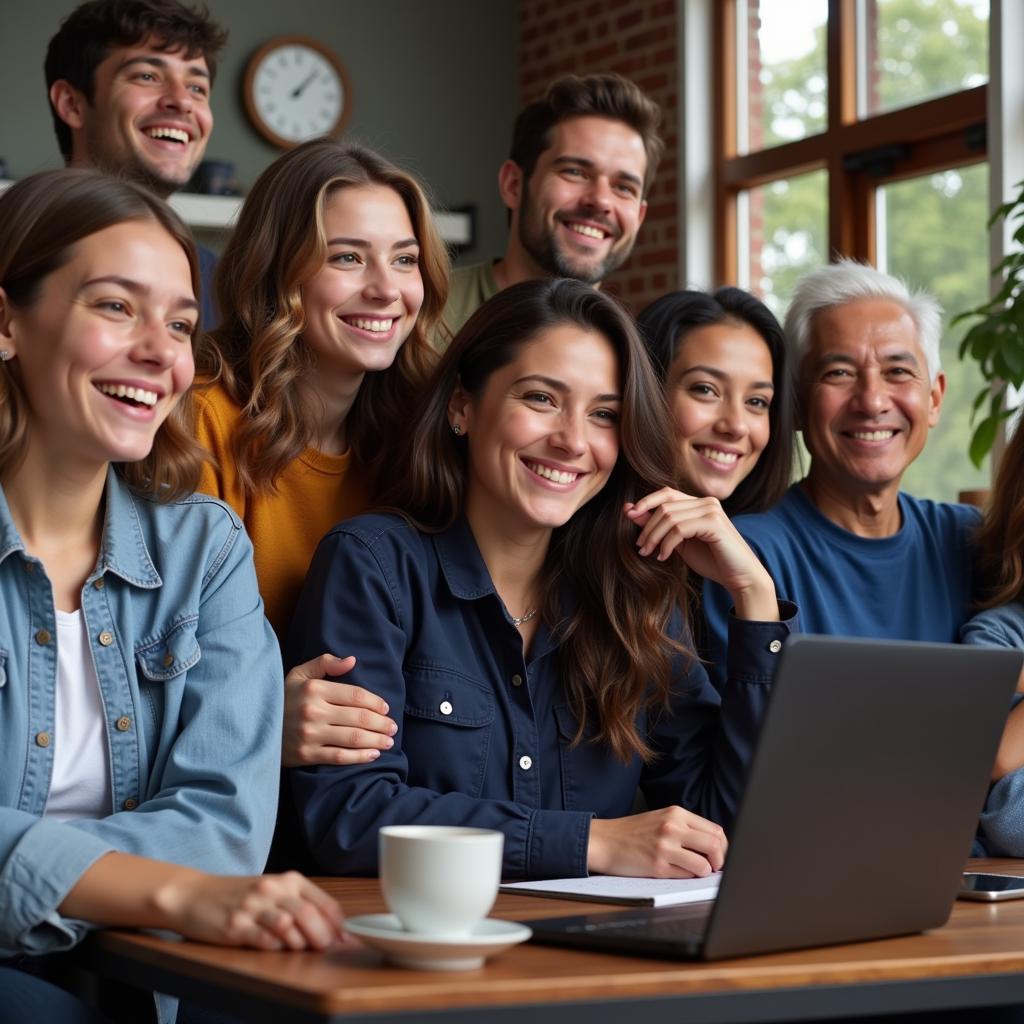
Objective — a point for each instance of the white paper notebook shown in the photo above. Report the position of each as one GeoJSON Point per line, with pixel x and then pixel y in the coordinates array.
{"type": "Point", "coordinates": [640, 892]}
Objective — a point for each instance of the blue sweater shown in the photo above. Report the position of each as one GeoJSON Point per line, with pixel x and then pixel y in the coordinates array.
{"type": "Point", "coordinates": [1001, 830]}
{"type": "Point", "coordinates": [915, 585]}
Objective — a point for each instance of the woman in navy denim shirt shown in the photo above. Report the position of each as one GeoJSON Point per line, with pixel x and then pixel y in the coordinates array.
{"type": "Point", "coordinates": [522, 617]}
{"type": "Point", "coordinates": [172, 702]}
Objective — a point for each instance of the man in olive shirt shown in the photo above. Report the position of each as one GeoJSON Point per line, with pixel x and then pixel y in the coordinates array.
{"type": "Point", "coordinates": [581, 163]}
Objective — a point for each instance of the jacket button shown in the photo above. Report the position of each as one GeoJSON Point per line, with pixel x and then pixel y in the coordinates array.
{"type": "Point", "coordinates": [130, 804]}
{"type": "Point", "coordinates": [168, 660]}
{"type": "Point", "coordinates": [106, 638]}
{"type": "Point", "coordinates": [526, 762]}
{"type": "Point", "coordinates": [42, 739]}
{"type": "Point", "coordinates": [123, 724]}
{"type": "Point", "coordinates": [517, 680]}
{"type": "Point", "coordinates": [445, 707]}
{"type": "Point", "coordinates": [29, 566]}
{"type": "Point", "coordinates": [775, 646]}
{"type": "Point", "coordinates": [43, 637]}
{"type": "Point", "coordinates": [98, 584]}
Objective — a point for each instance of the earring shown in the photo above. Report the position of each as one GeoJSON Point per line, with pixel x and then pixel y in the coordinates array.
{"type": "Point", "coordinates": [4, 355]}
{"type": "Point", "coordinates": [456, 429]}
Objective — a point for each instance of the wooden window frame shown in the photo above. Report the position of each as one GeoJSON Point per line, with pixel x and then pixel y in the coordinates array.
{"type": "Point", "coordinates": [859, 155]}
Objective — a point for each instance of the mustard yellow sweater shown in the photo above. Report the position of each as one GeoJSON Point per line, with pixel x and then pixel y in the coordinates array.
{"type": "Point", "coordinates": [313, 493]}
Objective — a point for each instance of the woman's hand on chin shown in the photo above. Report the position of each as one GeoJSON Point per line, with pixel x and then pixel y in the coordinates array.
{"type": "Point", "coordinates": [699, 532]}
{"type": "Point", "coordinates": [667, 843]}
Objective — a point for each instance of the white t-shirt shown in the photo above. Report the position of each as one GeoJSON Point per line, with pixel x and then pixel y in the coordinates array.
{"type": "Point", "coordinates": [80, 785]}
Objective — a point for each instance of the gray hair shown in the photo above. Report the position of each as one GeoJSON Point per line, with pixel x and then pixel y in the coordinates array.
{"type": "Point", "coordinates": [846, 281]}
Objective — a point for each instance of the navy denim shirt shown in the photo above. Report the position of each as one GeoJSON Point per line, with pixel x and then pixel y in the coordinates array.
{"type": "Point", "coordinates": [191, 685]}
{"type": "Point", "coordinates": [484, 732]}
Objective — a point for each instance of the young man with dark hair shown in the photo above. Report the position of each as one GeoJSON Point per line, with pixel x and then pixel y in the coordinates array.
{"type": "Point", "coordinates": [129, 87]}
{"type": "Point", "coordinates": [581, 163]}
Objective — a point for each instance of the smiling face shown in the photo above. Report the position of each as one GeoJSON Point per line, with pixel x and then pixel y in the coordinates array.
{"type": "Point", "coordinates": [579, 213]}
{"type": "Point", "coordinates": [543, 436]}
{"type": "Point", "coordinates": [105, 351]}
{"type": "Point", "coordinates": [362, 303]}
{"type": "Point", "coordinates": [149, 118]}
{"type": "Point", "coordinates": [720, 389]}
{"type": "Point", "coordinates": [867, 400]}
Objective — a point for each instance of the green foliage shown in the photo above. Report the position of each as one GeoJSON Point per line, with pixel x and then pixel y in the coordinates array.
{"type": "Point", "coordinates": [995, 342]}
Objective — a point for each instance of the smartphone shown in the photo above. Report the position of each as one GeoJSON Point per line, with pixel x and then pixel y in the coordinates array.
{"type": "Point", "coordinates": [975, 885]}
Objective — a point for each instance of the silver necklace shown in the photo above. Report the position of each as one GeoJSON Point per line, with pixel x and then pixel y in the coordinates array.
{"type": "Point", "coordinates": [523, 618]}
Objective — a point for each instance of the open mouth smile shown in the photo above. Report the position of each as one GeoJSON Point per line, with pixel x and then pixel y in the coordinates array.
{"type": "Point", "coordinates": [129, 395]}
{"type": "Point", "coordinates": [556, 476]}
{"type": "Point", "coordinates": [871, 435]}
{"type": "Point", "coordinates": [381, 325]}
{"type": "Point", "coordinates": [724, 459]}
{"type": "Point", "coordinates": [165, 133]}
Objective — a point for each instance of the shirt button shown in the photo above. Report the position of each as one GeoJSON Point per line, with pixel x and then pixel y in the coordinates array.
{"type": "Point", "coordinates": [445, 707]}
{"type": "Point", "coordinates": [526, 763]}
{"type": "Point", "coordinates": [98, 584]}
{"type": "Point", "coordinates": [168, 660]}
{"type": "Point", "coordinates": [517, 680]}
{"type": "Point", "coordinates": [123, 724]}
{"type": "Point", "coordinates": [42, 739]}
{"type": "Point", "coordinates": [130, 804]}
{"type": "Point", "coordinates": [775, 646]}
{"type": "Point", "coordinates": [43, 637]}
{"type": "Point", "coordinates": [106, 638]}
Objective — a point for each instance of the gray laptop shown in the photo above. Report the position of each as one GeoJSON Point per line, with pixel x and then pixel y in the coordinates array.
{"type": "Point", "coordinates": [864, 793]}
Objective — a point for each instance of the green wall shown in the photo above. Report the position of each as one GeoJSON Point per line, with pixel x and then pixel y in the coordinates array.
{"type": "Point", "coordinates": [433, 87]}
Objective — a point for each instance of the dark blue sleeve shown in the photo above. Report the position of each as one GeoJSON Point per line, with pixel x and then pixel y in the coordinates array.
{"type": "Point", "coordinates": [705, 741]}
{"type": "Point", "coordinates": [355, 603]}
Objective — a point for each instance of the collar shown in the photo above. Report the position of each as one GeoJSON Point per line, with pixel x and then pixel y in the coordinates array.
{"type": "Point", "coordinates": [467, 577]}
{"type": "Point", "coordinates": [123, 548]}
{"type": "Point", "coordinates": [461, 562]}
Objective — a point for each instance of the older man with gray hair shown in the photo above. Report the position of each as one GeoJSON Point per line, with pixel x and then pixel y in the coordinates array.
{"type": "Point", "coordinates": [860, 557]}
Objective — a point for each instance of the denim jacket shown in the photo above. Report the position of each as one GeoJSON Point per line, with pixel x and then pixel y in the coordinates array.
{"type": "Point", "coordinates": [191, 684]}
{"type": "Point", "coordinates": [485, 734]}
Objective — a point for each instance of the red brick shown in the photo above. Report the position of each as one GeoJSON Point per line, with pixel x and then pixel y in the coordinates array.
{"type": "Point", "coordinates": [600, 53]}
{"type": "Point", "coordinates": [581, 35]}
{"type": "Point", "coordinates": [663, 9]}
{"type": "Point", "coordinates": [629, 19]}
{"type": "Point", "coordinates": [656, 257]}
{"type": "Point", "coordinates": [647, 38]}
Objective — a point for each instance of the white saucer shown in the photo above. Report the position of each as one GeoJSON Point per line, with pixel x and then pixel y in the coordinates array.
{"type": "Point", "coordinates": [430, 953]}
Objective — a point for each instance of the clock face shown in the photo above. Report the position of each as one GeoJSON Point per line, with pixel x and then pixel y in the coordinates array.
{"type": "Point", "coordinates": [296, 90]}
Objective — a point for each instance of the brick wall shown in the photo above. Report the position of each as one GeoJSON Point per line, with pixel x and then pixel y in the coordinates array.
{"type": "Point", "coordinates": [637, 38]}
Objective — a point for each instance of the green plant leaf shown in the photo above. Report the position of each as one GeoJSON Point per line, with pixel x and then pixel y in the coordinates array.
{"type": "Point", "coordinates": [983, 439]}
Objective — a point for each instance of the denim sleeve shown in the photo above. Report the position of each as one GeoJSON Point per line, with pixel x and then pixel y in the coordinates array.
{"type": "Point", "coordinates": [212, 801]}
{"type": "Point", "coordinates": [706, 740]}
{"type": "Point", "coordinates": [353, 603]}
{"type": "Point", "coordinates": [1001, 827]}
{"type": "Point", "coordinates": [40, 861]}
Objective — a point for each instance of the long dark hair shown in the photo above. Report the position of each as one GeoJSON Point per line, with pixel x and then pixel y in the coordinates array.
{"type": "Point", "coordinates": [1000, 538]}
{"type": "Point", "coordinates": [665, 325]}
{"type": "Point", "coordinates": [614, 645]}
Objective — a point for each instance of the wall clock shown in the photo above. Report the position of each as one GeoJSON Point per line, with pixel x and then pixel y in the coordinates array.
{"type": "Point", "coordinates": [296, 89]}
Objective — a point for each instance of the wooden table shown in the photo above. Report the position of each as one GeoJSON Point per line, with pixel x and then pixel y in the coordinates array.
{"type": "Point", "coordinates": [977, 959]}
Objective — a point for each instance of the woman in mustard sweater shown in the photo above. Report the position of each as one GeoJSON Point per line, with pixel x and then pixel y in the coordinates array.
{"type": "Point", "coordinates": [329, 289]}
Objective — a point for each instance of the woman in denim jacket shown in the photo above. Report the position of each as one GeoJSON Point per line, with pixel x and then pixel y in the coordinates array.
{"type": "Point", "coordinates": [521, 612]}
{"type": "Point", "coordinates": [140, 686]}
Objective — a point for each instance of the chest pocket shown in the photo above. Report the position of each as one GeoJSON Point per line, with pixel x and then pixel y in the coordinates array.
{"type": "Point", "coordinates": [173, 652]}
{"type": "Point", "coordinates": [593, 778]}
{"type": "Point", "coordinates": [446, 734]}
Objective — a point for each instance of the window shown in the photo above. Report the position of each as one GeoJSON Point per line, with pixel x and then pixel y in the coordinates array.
{"type": "Point", "coordinates": [857, 128]}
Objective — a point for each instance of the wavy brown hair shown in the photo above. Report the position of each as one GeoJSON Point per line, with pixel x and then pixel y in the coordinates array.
{"type": "Point", "coordinates": [1000, 538]}
{"type": "Point", "coordinates": [614, 642]}
{"type": "Point", "coordinates": [42, 217]}
{"type": "Point", "coordinates": [258, 354]}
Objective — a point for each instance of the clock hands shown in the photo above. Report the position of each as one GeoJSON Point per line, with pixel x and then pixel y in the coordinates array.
{"type": "Point", "coordinates": [301, 87]}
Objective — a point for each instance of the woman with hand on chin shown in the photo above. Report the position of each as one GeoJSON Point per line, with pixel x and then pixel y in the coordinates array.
{"type": "Point", "coordinates": [329, 289]}
{"type": "Point", "coordinates": [140, 687]}
{"type": "Point", "coordinates": [536, 658]}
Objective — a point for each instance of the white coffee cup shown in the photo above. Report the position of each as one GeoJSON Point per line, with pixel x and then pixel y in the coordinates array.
{"type": "Point", "coordinates": [438, 879]}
